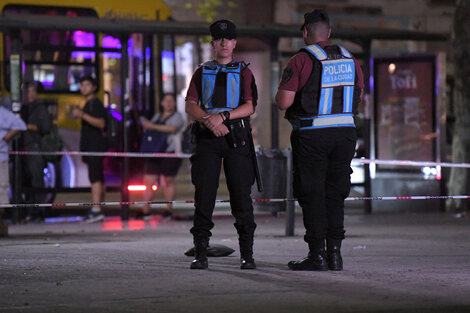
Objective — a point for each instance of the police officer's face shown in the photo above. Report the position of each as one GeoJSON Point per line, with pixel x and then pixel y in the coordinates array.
{"type": "Point", "coordinates": [223, 47]}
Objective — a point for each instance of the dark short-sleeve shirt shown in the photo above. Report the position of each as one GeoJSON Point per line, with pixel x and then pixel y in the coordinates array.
{"type": "Point", "coordinates": [92, 138]}
{"type": "Point", "coordinates": [301, 66]}
{"type": "Point", "coordinates": [35, 113]}
{"type": "Point", "coordinates": [195, 86]}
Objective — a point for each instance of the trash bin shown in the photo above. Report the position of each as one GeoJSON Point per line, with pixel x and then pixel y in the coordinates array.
{"type": "Point", "coordinates": [275, 174]}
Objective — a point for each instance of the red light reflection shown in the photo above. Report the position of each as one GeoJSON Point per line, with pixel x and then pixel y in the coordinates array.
{"type": "Point", "coordinates": [136, 225]}
{"type": "Point", "coordinates": [113, 224]}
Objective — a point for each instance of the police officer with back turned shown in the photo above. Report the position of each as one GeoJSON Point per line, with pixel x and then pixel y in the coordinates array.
{"type": "Point", "coordinates": [320, 90]}
{"type": "Point", "coordinates": [221, 97]}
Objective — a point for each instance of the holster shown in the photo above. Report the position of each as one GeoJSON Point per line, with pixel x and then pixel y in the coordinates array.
{"type": "Point", "coordinates": [239, 130]}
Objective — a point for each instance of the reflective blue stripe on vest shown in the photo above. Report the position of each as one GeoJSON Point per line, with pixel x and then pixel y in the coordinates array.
{"type": "Point", "coordinates": [317, 122]}
{"type": "Point", "coordinates": [345, 52]}
{"type": "Point", "coordinates": [326, 101]}
{"type": "Point", "coordinates": [348, 93]}
{"type": "Point", "coordinates": [209, 74]}
{"type": "Point", "coordinates": [317, 51]}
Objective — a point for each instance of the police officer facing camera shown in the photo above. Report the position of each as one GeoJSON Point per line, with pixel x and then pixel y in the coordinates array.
{"type": "Point", "coordinates": [221, 97]}
{"type": "Point", "coordinates": [320, 90]}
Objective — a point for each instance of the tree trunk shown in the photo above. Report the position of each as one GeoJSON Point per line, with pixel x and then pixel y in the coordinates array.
{"type": "Point", "coordinates": [459, 182]}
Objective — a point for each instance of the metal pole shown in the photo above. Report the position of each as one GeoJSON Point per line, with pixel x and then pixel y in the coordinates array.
{"type": "Point", "coordinates": [275, 69]}
{"type": "Point", "coordinates": [290, 205]}
{"type": "Point", "coordinates": [173, 50]}
{"type": "Point", "coordinates": [366, 46]}
{"type": "Point", "coordinates": [125, 126]}
{"type": "Point", "coordinates": [15, 89]}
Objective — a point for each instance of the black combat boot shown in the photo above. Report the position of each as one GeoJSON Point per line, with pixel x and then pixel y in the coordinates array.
{"type": "Point", "coordinates": [247, 262]}
{"type": "Point", "coordinates": [200, 255]}
{"type": "Point", "coordinates": [334, 259]}
{"type": "Point", "coordinates": [315, 261]}
{"type": "Point", "coordinates": [245, 239]}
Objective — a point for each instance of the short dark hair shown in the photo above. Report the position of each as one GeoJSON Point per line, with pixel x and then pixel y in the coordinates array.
{"type": "Point", "coordinates": [316, 16]}
{"type": "Point", "coordinates": [89, 78]}
{"type": "Point", "coordinates": [172, 94]}
{"type": "Point", "coordinates": [30, 83]}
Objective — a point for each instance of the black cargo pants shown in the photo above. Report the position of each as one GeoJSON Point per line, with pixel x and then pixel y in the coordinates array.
{"type": "Point", "coordinates": [206, 164]}
{"type": "Point", "coordinates": [321, 168]}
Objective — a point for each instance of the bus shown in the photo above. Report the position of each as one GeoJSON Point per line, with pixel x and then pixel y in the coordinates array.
{"type": "Point", "coordinates": [56, 60]}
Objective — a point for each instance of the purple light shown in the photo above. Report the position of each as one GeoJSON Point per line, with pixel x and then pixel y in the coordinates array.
{"type": "Point", "coordinates": [147, 53]}
{"type": "Point", "coordinates": [83, 39]}
{"type": "Point", "coordinates": [168, 55]}
{"type": "Point", "coordinates": [130, 44]}
{"type": "Point", "coordinates": [116, 115]}
{"type": "Point", "coordinates": [83, 55]}
{"type": "Point", "coordinates": [112, 43]}
{"type": "Point", "coordinates": [70, 219]}
{"type": "Point", "coordinates": [371, 76]}
{"type": "Point", "coordinates": [112, 55]}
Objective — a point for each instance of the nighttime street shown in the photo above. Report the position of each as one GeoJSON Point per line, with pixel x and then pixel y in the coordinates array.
{"type": "Point", "coordinates": [235, 156]}
{"type": "Point", "coordinates": [392, 263]}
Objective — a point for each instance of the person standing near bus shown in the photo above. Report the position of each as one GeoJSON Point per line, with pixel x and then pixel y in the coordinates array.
{"type": "Point", "coordinates": [10, 125]}
{"type": "Point", "coordinates": [169, 122]}
{"type": "Point", "coordinates": [38, 122]}
{"type": "Point", "coordinates": [320, 90]}
{"type": "Point", "coordinates": [92, 139]}
{"type": "Point", "coordinates": [221, 96]}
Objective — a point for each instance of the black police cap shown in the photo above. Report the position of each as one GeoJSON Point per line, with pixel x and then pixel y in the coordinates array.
{"type": "Point", "coordinates": [223, 29]}
{"type": "Point", "coordinates": [317, 15]}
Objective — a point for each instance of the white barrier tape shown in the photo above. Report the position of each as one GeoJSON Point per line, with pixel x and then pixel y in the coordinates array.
{"type": "Point", "coordinates": [410, 163]}
{"type": "Point", "coordinates": [119, 203]}
{"type": "Point", "coordinates": [186, 156]}
{"type": "Point", "coordinates": [103, 154]}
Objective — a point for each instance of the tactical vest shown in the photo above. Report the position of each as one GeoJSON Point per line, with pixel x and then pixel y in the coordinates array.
{"type": "Point", "coordinates": [221, 86]}
{"type": "Point", "coordinates": [328, 97]}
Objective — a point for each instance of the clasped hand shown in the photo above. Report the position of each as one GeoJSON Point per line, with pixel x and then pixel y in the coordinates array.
{"type": "Point", "coordinates": [77, 113]}
{"type": "Point", "coordinates": [215, 123]}
{"type": "Point", "coordinates": [146, 124]}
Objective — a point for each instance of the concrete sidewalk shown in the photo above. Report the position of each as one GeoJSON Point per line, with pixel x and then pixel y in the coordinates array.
{"type": "Point", "coordinates": [393, 263]}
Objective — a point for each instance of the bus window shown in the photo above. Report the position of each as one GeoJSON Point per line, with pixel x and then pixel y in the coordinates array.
{"type": "Point", "coordinates": [168, 65]}
{"type": "Point", "coordinates": [112, 71]}
{"type": "Point", "coordinates": [55, 59]}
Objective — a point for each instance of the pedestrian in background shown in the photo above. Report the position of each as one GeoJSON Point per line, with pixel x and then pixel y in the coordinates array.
{"type": "Point", "coordinates": [92, 139]}
{"type": "Point", "coordinates": [169, 122]}
{"type": "Point", "coordinates": [38, 122]}
{"type": "Point", "coordinates": [320, 90]}
{"type": "Point", "coordinates": [10, 125]}
{"type": "Point", "coordinates": [221, 97]}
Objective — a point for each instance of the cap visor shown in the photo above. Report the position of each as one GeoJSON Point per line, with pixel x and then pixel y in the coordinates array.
{"type": "Point", "coordinates": [224, 36]}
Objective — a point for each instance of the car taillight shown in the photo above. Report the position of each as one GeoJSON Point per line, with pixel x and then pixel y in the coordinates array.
{"type": "Point", "coordinates": [141, 187]}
